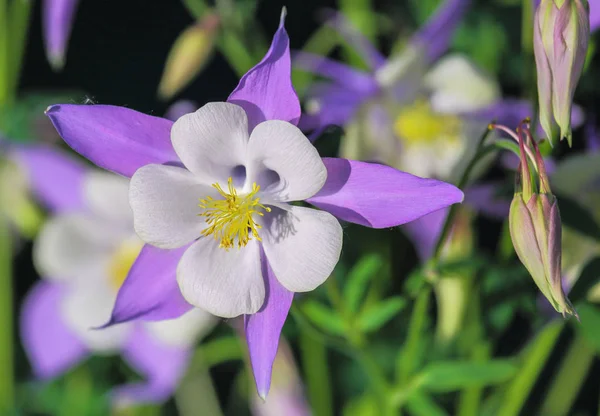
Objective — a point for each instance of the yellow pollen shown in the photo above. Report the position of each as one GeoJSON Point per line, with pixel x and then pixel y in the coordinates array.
{"type": "Point", "coordinates": [418, 123]}
{"type": "Point", "coordinates": [231, 218]}
{"type": "Point", "coordinates": [121, 263]}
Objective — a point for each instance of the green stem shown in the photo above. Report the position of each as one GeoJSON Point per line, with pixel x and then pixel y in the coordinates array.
{"type": "Point", "coordinates": [236, 53]}
{"type": "Point", "coordinates": [571, 375]}
{"type": "Point", "coordinates": [470, 398]}
{"type": "Point", "coordinates": [407, 360]}
{"type": "Point", "coordinates": [533, 362]}
{"type": "Point", "coordinates": [316, 374]}
{"type": "Point", "coordinates": [6, 322]}
{"type": "Point", "coordinates": [197, 388]}
{"type": "Point", "coordinates": [20, 12]}
{"type": "Point", "coordinates": [4, 54]}
{"type": "Point", "coordinates": [461, 184]}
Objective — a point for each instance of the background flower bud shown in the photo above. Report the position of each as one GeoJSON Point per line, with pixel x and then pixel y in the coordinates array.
{"type": "Point", "coordinates": [188, 55]}
{"type": "Point", "coordinates": [561, 36]}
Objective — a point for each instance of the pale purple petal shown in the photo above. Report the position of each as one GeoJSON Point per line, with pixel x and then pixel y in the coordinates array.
{"type": "Point", "coordinates": [180, 108]}
{"type": "Point", "coordinates": [331, 105]}
{"type": "Point", "coordinates": [424, 232]}
{"type": "Point", "coordinates": [437, 33]}
{"type": "Point", "coordinates": [266, 91]}
{"type": "Point", "coordinates": [55, 178]}
{"type": "Point", "coordinates": [115, 138]}
{"type": "Point", "coordinates": [161, 366]}
{"type": "Point", "coordinates": [153, 275]}
{"type": "Point", "coordinates": [379, 196]}
{"type": "Point", "coordinates": [594, 15]}
{"type": "Point", "coordinates": [58, 21]}
{"type": "Point", "coordinates": [263, 328]}
{"type": "Point", "coordinates": [486, 199]}
{"type": "Point", "coordinates": [354, 37]}
{"type": "Point", "coordinates": [50, 345]}
{"type": "Point", "coordinates": [342, 74]}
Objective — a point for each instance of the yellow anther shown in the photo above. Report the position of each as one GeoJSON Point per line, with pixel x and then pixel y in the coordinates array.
{"type": "Point", "coordinates": [418, 123]}
{"type": "Point", "coordinates": [231, 218]}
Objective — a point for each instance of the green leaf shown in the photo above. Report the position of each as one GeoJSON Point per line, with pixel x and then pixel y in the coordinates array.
{"type": "Point", "coordinates": [218, 351]}
{"type": "Point", "coordinates": [358, 279]}
{"type": "Point", "coordinates": [589, 316]}
{"type": "Point", "coordinates": [6, 320]}
{"type": "Point", "coordinates": [378, 315]}
{"type": "Point", "coordinates": [420, 404]}
{"type": "Point", "coordinates": [195, 7]}
{"type": "Point", "coordinates": [450, 376]}
{"type": "Point", "coordinates": [323, 317]}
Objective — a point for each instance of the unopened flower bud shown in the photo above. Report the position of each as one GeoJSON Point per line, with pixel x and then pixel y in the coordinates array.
{"type": "Point", "coordinates": [535, 225]}
{"type": "Point", "coordinates": [561, 36]}
{"type": "Point", "coordinates": [188, 55]}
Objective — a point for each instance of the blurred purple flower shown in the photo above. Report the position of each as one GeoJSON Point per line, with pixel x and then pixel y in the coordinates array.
{"type": "Point", "coordinates": [58, 18]}
{"type": "Point", "coordinates": [253, 139]}
{"type": "Point", "coordinates": [84, 252]}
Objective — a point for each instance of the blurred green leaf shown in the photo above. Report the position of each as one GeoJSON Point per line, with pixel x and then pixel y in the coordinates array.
{"type": "Point", "coordinates": [358, 279]}
{"type": "Point", "coordinates": [378, 315]}
{"type": "Point", "coordinates": [217, 351]}
{"type": "Point", "coordinates": [195, 7]}
{"type": "Point", "coordinates": [508, 145]}
{"type": "Point", "coordinates": [484, 41]}
{"type": "Point", "coordinates": [450, 376]}
{"type": "Point", "coordinates": [420, 404]}
{"type": "Point", "coordinates": [323, 317]}
{"type": "Point", "coordinates": [7, 388]}
{"type": "Point", "coordinates": [589, 327]}
{"type": "Point", "coordinates": [577, 217]}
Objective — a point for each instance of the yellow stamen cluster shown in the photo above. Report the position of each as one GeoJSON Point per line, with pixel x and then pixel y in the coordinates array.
{"type": "Point", "coordinates": [418, 123]}
{"type": "Point", "coordinates": [231, 218]}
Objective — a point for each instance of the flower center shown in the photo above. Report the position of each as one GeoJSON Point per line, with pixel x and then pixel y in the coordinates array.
{"type": "Point", "coordinates": [121, 263]}
{"type": "Point", "coordinates": [231, 218]}
{"type": "Point", "coordinates": [419, 124]}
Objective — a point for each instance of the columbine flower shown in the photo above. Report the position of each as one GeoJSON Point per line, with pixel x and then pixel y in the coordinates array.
{"type": "Point", "coordinates": [58, 21]}
{"type": "Point", "coordinates": [561, 35]}
{"type": "Point", "coordinates": [84, 253]}
{"type": "Point", "coordinates": [216, 187]}
{"type": "Point", "coordinates": [535, 225]}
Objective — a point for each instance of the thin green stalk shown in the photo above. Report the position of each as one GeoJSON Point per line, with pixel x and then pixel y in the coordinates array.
{"type": "Point", "coordinates": [408, 358]}
{"type": "Point", "coordinates": [195, 389]}
{"type": "Point", "coordinates": [480, 151]}
{"type": "Point", "coordinates": [4, 54]}
{"type": "Point", "coordinates": [7, 387]}
{"type": "Point", "coordinates": [470, 398]}
{"type": "Point", "coordinates": [236, 53]}
{"type": "Point", "coordinates": [533, 361]}
{"type": "Point", "coordinates": [20, 11]}
{"type": "Point", "coordinates": [571, 375]}
{"type": "Point", "coordinates": [316, 374]}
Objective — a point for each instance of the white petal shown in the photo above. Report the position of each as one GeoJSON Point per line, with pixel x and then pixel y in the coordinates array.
{"type": "Point", "coordinates": [212, 142]}
{"type": "Point", "coordinates": [72, 246]}
{"type": "Point", "coordinates": [88, 305]}
{"type": "Point", "coordinates": [224, 283]}
{"type": "Point", "coordinates": [459, 86]}
{"type": "Point", "coordinates": [165, 207]}
{"type": "Point", "coordinates": [183, 331]}
{"type": "Point", "coordinates": [284, 162]}
{"type": "Point", "coordinates": [302, 245]}
{"type": "Point", "coordinates": [106, 195]}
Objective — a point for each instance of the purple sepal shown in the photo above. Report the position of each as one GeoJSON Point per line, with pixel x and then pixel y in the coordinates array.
{"type": "Point", "coordinates": [379, 196]}
{"type": "Point", "coordinates": [115, 138]}
{"type": "Point", "coordinates": [153, 275]}
{"type": "Point", "coordinates": [161, 365]}
{"type": "Point", "coordinates": [50, 345]}
{"type": "Point", "coordinates": [55, 178]}
{"type": "Point", "coordinates": [263, 329]}
{"type": "Point", "coordinates": [265, 91]}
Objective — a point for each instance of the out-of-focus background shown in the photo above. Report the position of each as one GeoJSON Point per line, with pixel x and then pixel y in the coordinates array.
{"type": "Point", "coordinates": [506, 353]}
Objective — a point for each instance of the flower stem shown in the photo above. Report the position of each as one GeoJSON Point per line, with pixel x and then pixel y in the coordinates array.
{"type": "Point", "coordinates": [4, 54]}
{"type": "Point", "coordinates": [571, 376]}
{"type": "Point", "coordinates": [533, 361]}
{"type": "Point", "coordinates": [316, 374]}
{"type": "Point", "coordinates": [20, 12]}
{"type": "Point", "coordinates": [6, 322]}
{"type": "Point", "coordinates": [461, 184]}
